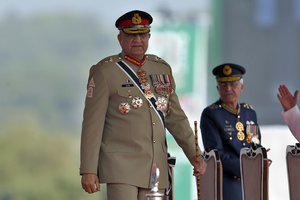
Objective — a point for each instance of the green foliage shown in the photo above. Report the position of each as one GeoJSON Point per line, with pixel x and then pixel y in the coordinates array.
{"type": "Point", "coordinates": [44, 64]}
{"type": "Point", "coordinates": [45, 61]}
{"type": "Point", "coordinates": [38, 164]}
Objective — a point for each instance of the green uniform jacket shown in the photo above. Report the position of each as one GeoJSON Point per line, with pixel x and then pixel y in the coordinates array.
{"type": "Point", "coordinates": [121, 148]}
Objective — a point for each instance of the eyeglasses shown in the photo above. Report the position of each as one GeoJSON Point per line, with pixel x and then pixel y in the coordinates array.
{"type": "Point", "coordinates": [224, 85]}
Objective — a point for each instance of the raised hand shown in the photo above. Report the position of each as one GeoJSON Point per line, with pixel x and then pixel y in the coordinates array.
{"type": "Point", "coordinates": [286, 99]}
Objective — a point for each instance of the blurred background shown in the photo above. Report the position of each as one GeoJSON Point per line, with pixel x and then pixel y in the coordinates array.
{"type": "Point", "coordinates": [47, 48]}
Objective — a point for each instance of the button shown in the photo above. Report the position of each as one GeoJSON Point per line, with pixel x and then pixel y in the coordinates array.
{"type": "Point", "coordinates": [153, 123]}
{"type": "Point", "coordinates": [230, 138]}
{"type": "Point", "coordinates": [128, 91]}
{"type": "Point", "coordinates": [154, 141]}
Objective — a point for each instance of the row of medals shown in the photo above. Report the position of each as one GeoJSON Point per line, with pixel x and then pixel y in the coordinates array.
{"type": "Point", "coordinates": [251, 136]}
{"type": "Point", "coordinates": [162, 86]}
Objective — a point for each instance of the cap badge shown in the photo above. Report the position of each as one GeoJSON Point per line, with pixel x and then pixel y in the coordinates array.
{"type": "Point", "coordinates": [136, 19]}
{"type": "Point", "coordinates": [227, 70]}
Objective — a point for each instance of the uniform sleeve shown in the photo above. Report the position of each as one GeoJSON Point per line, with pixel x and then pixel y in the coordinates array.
{"type": "Point", "coordinates": [96, 104]}
{"type": "Point", "coordinates": [178, 125]}
{"type": "Point", "coordinates": [292, 119]}
{"type": "Point", "coordinates": [211, 137]}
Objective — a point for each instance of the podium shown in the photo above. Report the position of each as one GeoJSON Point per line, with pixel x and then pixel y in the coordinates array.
{"type": "Point", "coordinates": [211, 182]}
{"type": "Point", "coordinates": [254, 173]}
{"type": "Point", "coordinates": [293, 166]}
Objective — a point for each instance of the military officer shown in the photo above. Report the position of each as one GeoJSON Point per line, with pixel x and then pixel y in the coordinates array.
{"type": "Point", "coordinates": [228, 126]}
{"type": "Point", "coordinates": [130, 103]}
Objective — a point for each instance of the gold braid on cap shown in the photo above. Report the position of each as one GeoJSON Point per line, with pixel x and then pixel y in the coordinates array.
{"type": "Point", "coordinates": [136, 30]}
{"type": "Point", "coordinates": [229, 79]}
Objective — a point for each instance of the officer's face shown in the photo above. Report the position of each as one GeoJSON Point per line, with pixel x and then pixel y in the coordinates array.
{"type": "Point", "coordinates": [230, 91]}
{"type": "Point", "coordinates": [134, 45]}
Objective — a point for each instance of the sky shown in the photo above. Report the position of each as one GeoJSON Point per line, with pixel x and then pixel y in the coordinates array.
{"type": "Point", "coordinates": [109, 9]}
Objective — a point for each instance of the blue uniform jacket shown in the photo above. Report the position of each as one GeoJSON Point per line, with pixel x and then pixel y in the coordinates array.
{"type": "Point", "coordinates": [218, 127]}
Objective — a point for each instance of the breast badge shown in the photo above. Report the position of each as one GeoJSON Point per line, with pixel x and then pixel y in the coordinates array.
{"type": "Point", "coordinates": [124, 108]}
{"type": "Point", "coordinates": [162, 104]}
{"type": "Point", "coordinates": [136, 102]}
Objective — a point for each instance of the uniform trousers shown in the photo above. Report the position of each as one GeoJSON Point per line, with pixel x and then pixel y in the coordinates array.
{"type": "Point", "coordinates": [117, 191]}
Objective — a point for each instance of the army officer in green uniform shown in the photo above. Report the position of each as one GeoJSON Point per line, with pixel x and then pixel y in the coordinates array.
{"type": "Point", "coordinates": [130, 103]}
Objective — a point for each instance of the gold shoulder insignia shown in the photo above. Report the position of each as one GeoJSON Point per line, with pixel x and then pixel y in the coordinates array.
{"type": "Point", "coordinates": [247, 106]}
{"type": "Point", "coordinates": [156, 59]}
{"type": "Point", "coordinates": [110, 59]}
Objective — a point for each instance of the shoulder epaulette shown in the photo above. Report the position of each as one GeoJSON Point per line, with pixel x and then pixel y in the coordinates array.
{"type": "Point", "coordinates": [156, 59]}
{"type": "Point", "coordinates": [247, 106]}
{"type": "Point", "coordinates": [214, 106]}
{"type": "Point", "coordinates": [109, 59]}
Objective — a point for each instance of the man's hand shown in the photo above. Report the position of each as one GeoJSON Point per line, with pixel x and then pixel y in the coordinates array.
{"type": "Point", "coordinates": [199, 166]}
{"type": "Point", "coordinates": [90, 183]}
{"type": "Point", "coordinates": [286, 99]}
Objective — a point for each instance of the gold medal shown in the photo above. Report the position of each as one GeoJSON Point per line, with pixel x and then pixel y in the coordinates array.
{"type": "Point", "coordinates": [240, 136]}
{"type": "Point", "coordinates": [239, 126]}
{"type": "Point", "coordinates": [249, 138]}
{"type": "Point", "coordinates": [149, 94]}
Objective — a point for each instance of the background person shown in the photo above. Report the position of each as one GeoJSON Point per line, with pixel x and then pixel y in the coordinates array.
{"type": "Point", "coordinates": [228, 126]}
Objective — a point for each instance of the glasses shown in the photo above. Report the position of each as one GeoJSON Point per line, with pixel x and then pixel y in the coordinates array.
{"type": "Point", "coordinates": [224, 85]}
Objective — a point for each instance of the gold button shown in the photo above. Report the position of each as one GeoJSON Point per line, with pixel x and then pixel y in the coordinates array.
{"type": "Point", "coordinates": [153, 141]}
{"type": "Point", "coordinates": [153, 123]}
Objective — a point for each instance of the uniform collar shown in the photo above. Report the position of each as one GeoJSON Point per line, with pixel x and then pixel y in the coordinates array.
{"type": "Point", "coordinates": [135, 61]}
{"type": "Point", "coordinates": [231, 110]}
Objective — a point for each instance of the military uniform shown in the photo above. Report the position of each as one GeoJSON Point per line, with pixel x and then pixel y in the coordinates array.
{"type": "Point", "coordinates": [218, 127]}
{"type": "Point", "coordinates": [228, 130]}
{"type": "Point", "coordinates": [121, 143]}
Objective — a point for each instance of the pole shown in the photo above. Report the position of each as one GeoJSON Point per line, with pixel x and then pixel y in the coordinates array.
{"type": "Point", "coordinates": [197, 158]}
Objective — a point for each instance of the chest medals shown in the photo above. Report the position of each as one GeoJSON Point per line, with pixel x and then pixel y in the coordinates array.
{"type": "Point", "coordinates": [251, 135]}
{"type": "Point", "coordinates": [239, 125]}
{"type": "Point", "coordinates": [162, 86]}
{"type": "Point", "coordinates": [240, 128]}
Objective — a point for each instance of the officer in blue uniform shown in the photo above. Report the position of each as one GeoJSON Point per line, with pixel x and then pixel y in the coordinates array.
{"type": "Point", "coordinates": [228, 126]}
